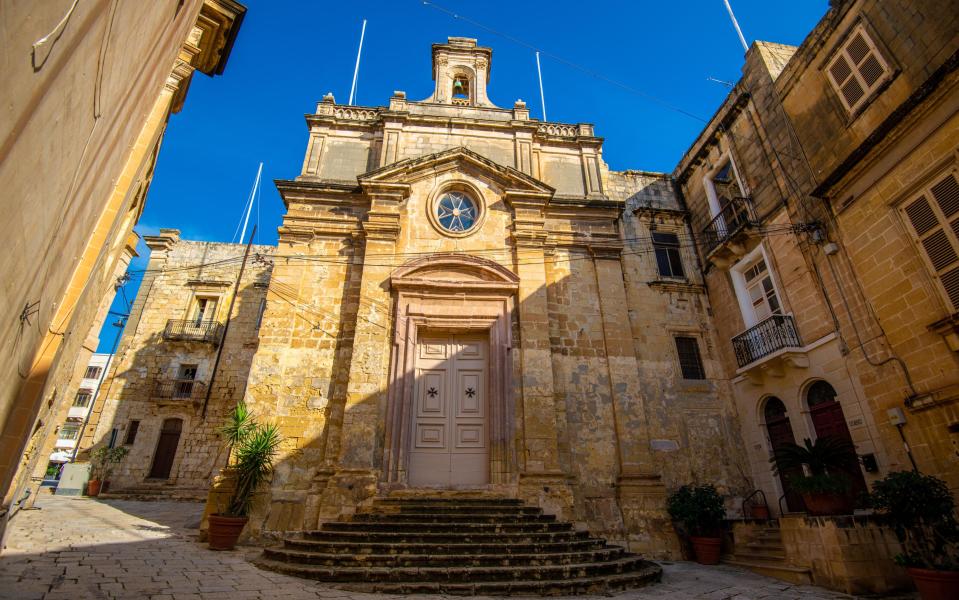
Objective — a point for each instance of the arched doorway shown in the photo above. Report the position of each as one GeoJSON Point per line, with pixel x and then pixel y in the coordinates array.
{"type": "Point", "coordinates": [781, 434]}
{"type": "Point", "coordinates": [829, 421]}
{"type": "Point", "coordinates": [166, 449]}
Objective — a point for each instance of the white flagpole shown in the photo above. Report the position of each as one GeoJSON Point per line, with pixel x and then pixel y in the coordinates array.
{"type": "Point", "coordinates": [356, 69]}
{"type": "Point", "coordinates": [249, 207]}
{"type": "Point", "coordinates": [739, 31]}
{"type": "Point", "coordinates": [542, 98]}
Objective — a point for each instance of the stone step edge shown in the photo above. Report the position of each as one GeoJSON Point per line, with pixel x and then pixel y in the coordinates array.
{"type": "Point", "coordinates": [417, 571]}
{"type": "Point", "coordinates": [428, 557]}
{"type": "Point", "coordinates": [427, 545]}
{"type": "Point", "coordinates": [759, 564]}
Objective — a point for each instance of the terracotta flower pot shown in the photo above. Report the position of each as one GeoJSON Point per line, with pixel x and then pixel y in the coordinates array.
{"type": "Point", "coordinates": [93, 487]}
{"type": "Point", "coordinates": [818, 504]}
{"type": "Point", "coordinates": [225, 531]}
{"type": "Point", "coordinates": [759, 511]}
{"type": "Point", "coordinates": [935, 585]}
{"type": "Point", "coordinates": [706, 549]}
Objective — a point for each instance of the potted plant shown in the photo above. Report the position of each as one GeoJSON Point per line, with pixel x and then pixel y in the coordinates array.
{"type": "Point", "coordinates": [102, 462]}
{"type": "Point", "coordinates": [252, 447]}
{"type": "Point", "coordinates": [922, 511]}
{"type": "Point", "coordinates": [825, 485]}
{"type": "Point", "coordinates": [700, 511]}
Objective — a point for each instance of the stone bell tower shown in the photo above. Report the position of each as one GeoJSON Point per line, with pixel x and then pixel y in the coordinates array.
{"type": "Point", "coordinates": [461, 72]}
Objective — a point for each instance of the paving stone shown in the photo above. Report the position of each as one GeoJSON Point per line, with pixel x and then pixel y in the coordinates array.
{"type": "Point", "coordinates": [79, 548]}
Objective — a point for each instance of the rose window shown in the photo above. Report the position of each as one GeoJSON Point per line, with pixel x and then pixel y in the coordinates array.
{"type": "Point", "coordinates": [456, 212]}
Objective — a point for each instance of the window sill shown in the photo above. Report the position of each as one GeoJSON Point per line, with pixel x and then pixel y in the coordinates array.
{"type": "Point", "coordinates": [676, 285]}
{"type": "Point", "coordinates": [948, 328]}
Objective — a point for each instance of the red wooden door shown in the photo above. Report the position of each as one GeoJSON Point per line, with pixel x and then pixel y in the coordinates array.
{"type": "Point", "coordinates": [166, 449]}
{"type": "Point", "coordinates": [780, 434]}
{"type": "Point", "coordinates": [829, 421]}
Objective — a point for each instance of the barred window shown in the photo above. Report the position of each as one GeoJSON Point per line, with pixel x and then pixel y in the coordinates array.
{"type": "Point", "coordinates": [690, 362]}
{"type": "Point", "coordinates": [668, 259]}
{"type": "Point", "coordinates": [934, 216]}
{"type": "Point", "coordinates": [857, 69]}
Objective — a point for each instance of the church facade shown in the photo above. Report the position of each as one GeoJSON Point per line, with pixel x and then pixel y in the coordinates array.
{"type": "Point", "coordinates": [466, 298]}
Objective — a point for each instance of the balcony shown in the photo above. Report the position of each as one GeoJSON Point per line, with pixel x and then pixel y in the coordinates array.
{"type": "Point", "coordinates": [179, 390]}
{"type": "Point", "coordinates": [725, 238]}
{"type": "Point", "coordinates": [773, 336]}
{"type": "Point", "coordinates": [191, 330]}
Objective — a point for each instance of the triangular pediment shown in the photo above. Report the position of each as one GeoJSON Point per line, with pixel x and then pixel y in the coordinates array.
{"type": "Point", "coordinates": [411, 169]}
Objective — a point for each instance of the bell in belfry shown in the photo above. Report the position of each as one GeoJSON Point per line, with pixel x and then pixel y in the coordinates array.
{"type": "Point", "coordinates": [459, 87]}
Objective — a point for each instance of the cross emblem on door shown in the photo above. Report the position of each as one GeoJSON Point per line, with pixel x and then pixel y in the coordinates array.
{"type": "Point", "coordinates": [470, 392]}
{"type": "Point", "coordinates": [431, 392]}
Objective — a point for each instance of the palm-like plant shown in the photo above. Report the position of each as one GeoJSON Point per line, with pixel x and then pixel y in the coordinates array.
{"type": "Point", "coordinates": [829, 462]}
{"type": "Point", "coordinates": [254, 447]}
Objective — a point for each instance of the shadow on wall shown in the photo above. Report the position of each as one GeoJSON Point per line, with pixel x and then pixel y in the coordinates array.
{"type": "Point", "coordinates": [155, 404]}
{"type": "Point", "coordinates": [435, 386]}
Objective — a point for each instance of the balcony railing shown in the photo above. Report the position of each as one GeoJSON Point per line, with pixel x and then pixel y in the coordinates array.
{"type": "Point", "coordinates": [775, 333]}
{"type": "Point", "coordinates": [179, 389]}
{"type": "Point", "coordinates": [733, 218]}
{"type": "Point", "coordinates": [192, 330]}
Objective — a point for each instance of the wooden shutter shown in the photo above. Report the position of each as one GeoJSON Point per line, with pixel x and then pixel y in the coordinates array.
{"type": "Point", "coordinates": [857, 69]}
{"type": "Point", "coordinates": [934, 217]}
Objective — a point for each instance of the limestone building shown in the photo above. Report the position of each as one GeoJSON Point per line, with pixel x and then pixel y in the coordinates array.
{"type": "Point", "coordinates": [161, 399]}
{"type": "Point", "coordinates": [88, 88]}
{"type": "Point", "coordinates": [465, 297]}
{"type": "Point", "coordinates": [821, 200]}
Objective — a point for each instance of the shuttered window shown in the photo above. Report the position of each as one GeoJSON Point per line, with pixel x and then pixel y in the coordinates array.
{"type": "Point", "coordinates": [858, 69]}
{"type": "Point", "coordinates": [934, 216]}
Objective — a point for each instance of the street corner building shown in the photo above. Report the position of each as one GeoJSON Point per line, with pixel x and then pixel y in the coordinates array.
{"type": "Point", "coordinates": [462, 298]}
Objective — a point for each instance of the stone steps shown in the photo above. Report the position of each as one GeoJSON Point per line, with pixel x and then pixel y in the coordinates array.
{"type": "Point", "coordinates": [765, 554]}
{"type": "Point", "coordinates": [443, 560]}
{"type": "Point", "coordinates": [464, 550]}
{"type": "Point", "coordinates": [458, 544]}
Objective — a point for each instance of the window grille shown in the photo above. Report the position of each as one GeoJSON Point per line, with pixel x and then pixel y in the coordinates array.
{"type": "Point", "coordinates": [690, 362]}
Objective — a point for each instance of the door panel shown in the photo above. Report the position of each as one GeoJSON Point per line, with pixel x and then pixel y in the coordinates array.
{"type": "Point", "coordinates": [166, 449]}
{"type": "Point", "coordinates": [451, 441]}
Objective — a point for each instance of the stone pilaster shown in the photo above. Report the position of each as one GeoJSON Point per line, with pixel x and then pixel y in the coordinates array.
{"type": "Point", "coordinates": [642, 496]}
{"type": "Point", "coordinates": [358, 468]}
{"type": "Point", "coordinates": [542, 481]}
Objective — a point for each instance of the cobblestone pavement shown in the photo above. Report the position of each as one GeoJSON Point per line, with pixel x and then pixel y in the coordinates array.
{"type": "Point", "coordinates": [74, 548]}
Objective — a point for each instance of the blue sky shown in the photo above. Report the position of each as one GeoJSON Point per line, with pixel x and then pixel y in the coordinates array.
{"type": "Point", "coordinates": [291, 52]}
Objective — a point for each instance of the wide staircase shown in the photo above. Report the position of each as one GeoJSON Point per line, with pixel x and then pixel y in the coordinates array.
{"type": "Point", "coordinates": [455, 545]}
{"type": "Point", "coordinates": [764, 553]}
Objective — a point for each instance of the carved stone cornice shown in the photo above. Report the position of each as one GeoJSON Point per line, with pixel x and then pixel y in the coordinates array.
{"type": "Point", "coordinates": [606, 251]}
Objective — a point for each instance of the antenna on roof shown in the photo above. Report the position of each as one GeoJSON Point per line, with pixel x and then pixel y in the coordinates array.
{"type": "Point", "coordinates": [249, 202]}
{"type": "Point", "coordinates": [739, 31]}
{"type": "Point", "coordinates": [356, 69]}
{"type": "Point", "coordinates": [542, 98]}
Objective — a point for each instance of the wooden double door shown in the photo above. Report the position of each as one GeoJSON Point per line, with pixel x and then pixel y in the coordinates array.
{"type": "Point", "coordinates": [449, 445]}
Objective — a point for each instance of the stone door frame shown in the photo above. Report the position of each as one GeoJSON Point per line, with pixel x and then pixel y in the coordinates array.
{"type": "Point", "coordinates": [458, 294]}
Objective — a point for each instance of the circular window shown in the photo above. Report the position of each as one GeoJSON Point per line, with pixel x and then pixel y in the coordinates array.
{"type": "Point", "coordinates": [456, 212]}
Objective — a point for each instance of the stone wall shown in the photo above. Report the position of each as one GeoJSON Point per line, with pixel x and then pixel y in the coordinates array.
{"type": "Point", "coordinates": [140, 383]}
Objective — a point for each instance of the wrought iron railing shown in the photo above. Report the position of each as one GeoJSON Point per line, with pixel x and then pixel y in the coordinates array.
{"type": "Point", "coordinates": [775, 333]}
{"type": "Point", "coordinates": [179, 389]}
{"type": "Point", "coordinates": [193, 330]}
{"type": "Point", "coordinates": [733, 218]}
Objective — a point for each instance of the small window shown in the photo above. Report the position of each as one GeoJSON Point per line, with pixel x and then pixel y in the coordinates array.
{"type": "Point", "coordinates": [69, 431]}
{"type": "Point", "coordinates": [204, 310]}
{"type": "Point", "coordinates": [93, 373]}
{"type": "Point", "coordinates": [113, 438]}
{"type": "Point", "coordinates": [934, 216]}
{"type": "Point", "coordinates": [690, 362]}
{"type": "Point", "coordinates": [132, 429]}
{"type": "Point", "coordinates": [83, 398]}
{"type": "Point", "coordinates": [857, 69]}
{"type": "Point", "coordinates": [668, 258]}
{"type": "Point", "coordinates": [259, 314]}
